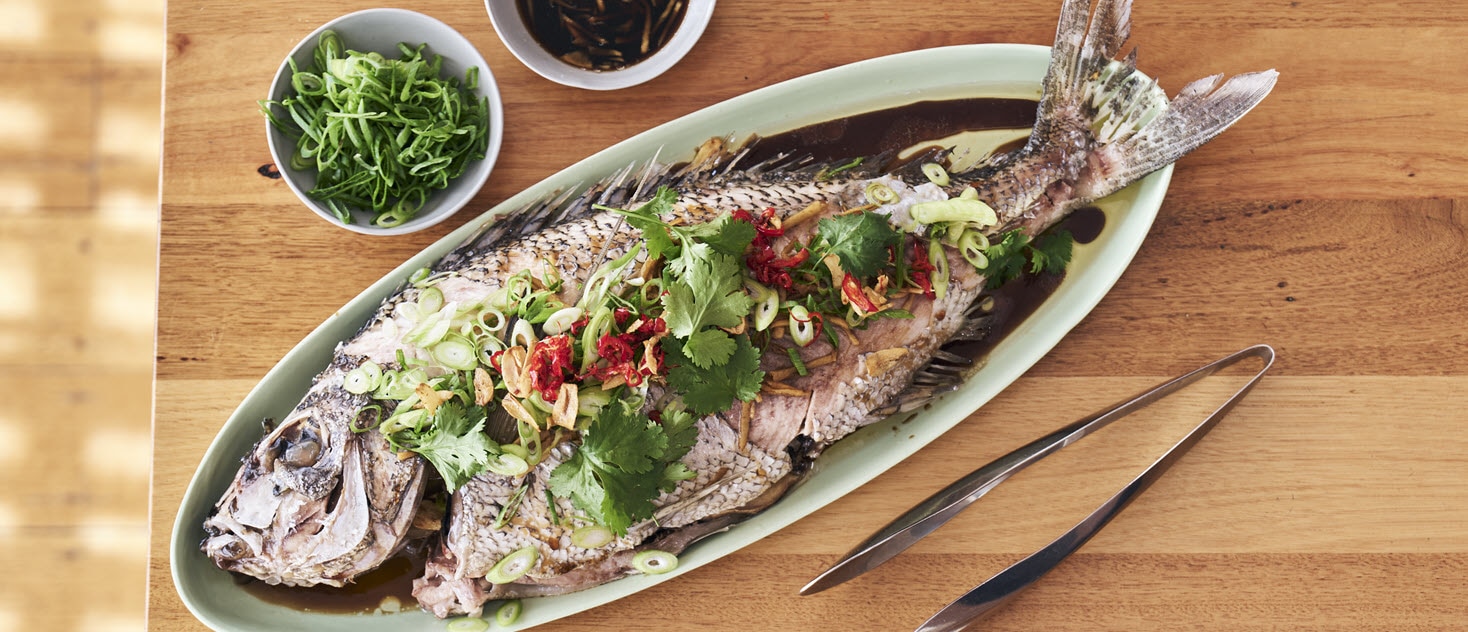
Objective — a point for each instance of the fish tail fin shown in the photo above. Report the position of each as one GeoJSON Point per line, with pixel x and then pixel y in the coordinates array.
{"type": "Point", "coordinates": [1094, 97]}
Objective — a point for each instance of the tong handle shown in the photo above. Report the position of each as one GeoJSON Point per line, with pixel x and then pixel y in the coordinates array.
{"type": "Point", "coordinates": [998, 589]}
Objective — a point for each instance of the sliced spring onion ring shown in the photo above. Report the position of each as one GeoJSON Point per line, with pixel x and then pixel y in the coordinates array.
{"type": "Point", "coordinates": [456, 352]}
{"type": "Point", "coordinates": [878, 193]}
{"type": "Point", "coordinates": [508, 613]}
{"type": "Point", "coordinates": [561, 321]}
{"type": "Point", "coordinates": [972, 246]}
{"type": "Point", "coordinates": [590, 401]}
{"type": "Point", "coordinates": [492, 320]}
{"type": "Point", "coordinates": [766, 304]}
{"type": "Point", "coordinates": [802, 329]}
{"type": "Point", "coordinates": [522, 334]}
{"type": "Point", "coordinates": [467, 624]}
{"type": "Point", "coordinates": [939, 260]}
{"type": "Point", "coordinates": [936, 173]}
{"type": "Point", "coordinates": [430, 300]}
{"type": "Point", "coordinates": [506, 464]}
{"type": "Point", "coordinates": [373, 415]}
{"type": "Point", "coordinates": [363, 379]}
{"type": "Point", "coordinates": [513, 566]}
{"type": "Point", "coordinates": [599, 325]}
{"type": "Point", "coordinates": [592, 536]}
{"type": "Point", "coordinates": [515, 449]}
{"type": "Point", "coordinates": [654, 562]}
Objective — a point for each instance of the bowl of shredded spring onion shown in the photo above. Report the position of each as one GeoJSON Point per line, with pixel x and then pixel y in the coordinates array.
{"type": "Point", "coordinates": [384, 121]}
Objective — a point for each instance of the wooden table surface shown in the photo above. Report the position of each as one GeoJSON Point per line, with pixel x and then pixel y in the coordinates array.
{"type": "Point", "coordinates": [1330, 223]}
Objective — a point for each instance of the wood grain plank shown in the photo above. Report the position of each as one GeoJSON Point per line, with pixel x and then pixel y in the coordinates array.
{"type": "Point", "coordinates": [1350, 136]}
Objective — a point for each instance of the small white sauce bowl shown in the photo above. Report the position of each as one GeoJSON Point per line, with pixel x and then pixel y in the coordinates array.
{"type": "Point", "coordinates": [380, 31]}
{"type": "Point", "coordinates": [512, 31]}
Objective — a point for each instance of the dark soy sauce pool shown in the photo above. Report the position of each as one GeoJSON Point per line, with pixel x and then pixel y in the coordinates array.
{"type": "Point", "coordinates": [393, 579]}
{"type": "Point", "coordinates": [860, 135]}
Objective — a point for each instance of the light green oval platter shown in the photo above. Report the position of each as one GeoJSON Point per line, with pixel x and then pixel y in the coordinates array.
{"type": "Point", "coordinates": [986, 70]}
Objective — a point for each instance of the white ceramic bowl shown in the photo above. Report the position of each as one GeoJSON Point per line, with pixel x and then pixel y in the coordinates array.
{"type": "Point", "coordinates": [380, 31]}
{"type": "Point", "coordinates": [512, 31]}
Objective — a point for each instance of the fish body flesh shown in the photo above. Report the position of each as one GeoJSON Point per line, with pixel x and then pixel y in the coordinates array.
{"type": "Point", "coordinates": [317, 503]}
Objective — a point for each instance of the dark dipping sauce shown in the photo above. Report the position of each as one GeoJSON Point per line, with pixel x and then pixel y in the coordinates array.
{"type": "Point", "coordinates": [602, 34]}
{"type": "Point", "coordinates": [868, 134]}
{"type": "Point", "coordinates": [393, 579]}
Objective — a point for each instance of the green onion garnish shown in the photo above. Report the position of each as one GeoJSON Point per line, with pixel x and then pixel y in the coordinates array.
{"type": "Point", "coordinates": [592, 536]}
{"type": "Point", "coordinates": [936, 173]}
{"type": "Point", "coordinates": [802, 330]}
{"type": "Point", "coordinates": [959, 209]}
{"type": "Point", "coordinates": [971, 245]}
{"type": "Point", "coordinates": [430, 300]}
{"type": "Point", "coordinates": [467, 624]}
{"type": "Point", "coordinates": [507, 464]}
{"type": "Point", "coordinates": [654, 562]}
{"type": "Point", "coordinates": [508, 613]}
{"type": "Point", "coordinates": [363, 379]}
{"type": "Point", "coordinates": [381, 134]}
{"type": "Point", "coordinates": [939, 261]}
{"type": "Point", "coordinates": [878, 193]}
{"type": "Point", "coordinates": [514, 566]}
{"type": "Point", "coordinates": [456, 352]}
{"type": "Point", "coordinates": [797, 362]}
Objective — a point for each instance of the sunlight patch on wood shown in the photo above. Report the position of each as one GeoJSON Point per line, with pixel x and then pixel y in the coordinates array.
{"type": "Point", "coordinates": [18, 277]}
{"type": "Point", "coordinates": [19, 195]}
{"type": "Point", "coordinates": [129, 133]}
{"type": "Point", "coordinates": [24, 22]}
{"type": "Point", "coordinates": [112, 452]}
{"type": "Point", "coordinates": [23, 124]}
{"type": "Point", "coordinates": [123, 299]}
{"type": "Point", "coordinates": [123, 538]}
{"type": "Point", "coordinates": [127, 211]}
{"type": "Point", "coordinates": [94, 621]}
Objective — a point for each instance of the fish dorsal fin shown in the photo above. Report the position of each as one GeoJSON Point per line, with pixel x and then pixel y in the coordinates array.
{"type": "Point", "coordinates": [632, 182]}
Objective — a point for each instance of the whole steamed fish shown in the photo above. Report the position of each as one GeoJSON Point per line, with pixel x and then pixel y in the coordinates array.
{"type": "Point", "coordinates": [592, 384]}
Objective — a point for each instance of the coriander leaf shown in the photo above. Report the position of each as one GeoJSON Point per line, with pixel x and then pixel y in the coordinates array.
{"type": "Point", "coordinates": [682, 430]}
{"type": "Point", "coordinates": [1051, 252]}
{"type": "Point", "coordinates": [455, 443]}
{"type": "Point", "coordinates": [709, 347]}
{"type": "Point", "coordinates": [673, 474]}
{"type": "Point", "coordinates": [724, 235]}
{"type": "Point", "coordinates": [1006, 258]}
{"type": "Point", "coordinates": [614, 475]}
{"type": "Point", "coordinates": [860, 241]}
{"type": "Point", "coordinates": [708, 290]}
{"type": "Point", "coordinates": [709, 391]}
{"type": "Point", "coordinates": [648, 218]}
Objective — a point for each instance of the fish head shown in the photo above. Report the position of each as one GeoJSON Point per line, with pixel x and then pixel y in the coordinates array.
{"type": "Point", "coordinates": [316, 502]}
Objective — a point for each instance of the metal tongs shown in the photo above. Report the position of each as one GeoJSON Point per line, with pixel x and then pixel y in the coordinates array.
{"type": "Point", "coordinates": [941, 507]}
